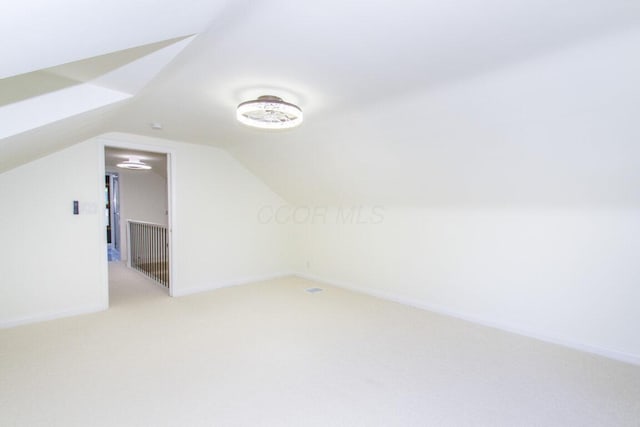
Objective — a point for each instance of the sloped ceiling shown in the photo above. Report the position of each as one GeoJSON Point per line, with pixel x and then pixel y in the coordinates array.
{"type": "Point", "coordinates": [406, 102]}
{"type": "Point", "coordinates": [66, 59]}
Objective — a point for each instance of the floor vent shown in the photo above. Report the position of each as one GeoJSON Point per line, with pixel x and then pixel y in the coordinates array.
{"type": "Point", "coordinates": [314, 290]}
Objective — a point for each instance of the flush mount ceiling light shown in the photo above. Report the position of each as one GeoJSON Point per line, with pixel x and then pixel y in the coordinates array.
{"type": "Point", "coordinates": [134, 163]}
{"type": "Point", "coordinates": [269, 112]}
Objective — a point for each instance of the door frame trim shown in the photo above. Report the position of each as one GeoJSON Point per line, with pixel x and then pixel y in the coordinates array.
{"type": "Point", "coordinates": [104, 143]}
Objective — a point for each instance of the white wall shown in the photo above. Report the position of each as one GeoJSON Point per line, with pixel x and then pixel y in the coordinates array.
{"type": "Point", "coordinates": [143, 197]}
{"type": "Point", "coordinates": [568, 275]}
{"type": "Point", "coordinates": [217, 238]}
{"type": "Point", "coordinates": [521, 195]}
{"type": "Point", "coordinates": [51, 261]}
{"type": "Point", "coordinates": [564, 275]}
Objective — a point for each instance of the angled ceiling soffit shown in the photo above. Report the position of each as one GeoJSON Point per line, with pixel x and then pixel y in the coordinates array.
{"type": "Point", "coordinates": [38, 98]}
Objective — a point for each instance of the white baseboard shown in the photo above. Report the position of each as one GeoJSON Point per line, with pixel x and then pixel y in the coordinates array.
{"type": "Point", "coordinates": [228, 283]}
{"type": "Point", "coordinates": [588, 348]}
{"type": "Point", "coordinates": [51, 316]}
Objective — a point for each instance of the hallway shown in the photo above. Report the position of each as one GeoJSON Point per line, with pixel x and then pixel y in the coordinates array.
{"type": "Point", "coordinates": [128, 287]}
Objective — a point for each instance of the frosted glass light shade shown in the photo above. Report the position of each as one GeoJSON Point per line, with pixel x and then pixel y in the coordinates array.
{"type": "Point", "coordinates": [134, 163]}
{"type": "Point", "coordinates": [269, 112]}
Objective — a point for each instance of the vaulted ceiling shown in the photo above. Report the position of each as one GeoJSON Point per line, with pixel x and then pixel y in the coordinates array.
{"type": "Point", "coordinates": [406, 102]}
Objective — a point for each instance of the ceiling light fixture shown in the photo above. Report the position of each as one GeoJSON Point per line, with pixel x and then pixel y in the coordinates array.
{"type": "Point", "coordinates": [134, 163]}
{"type": "Point", "coordinates": [269, 112]}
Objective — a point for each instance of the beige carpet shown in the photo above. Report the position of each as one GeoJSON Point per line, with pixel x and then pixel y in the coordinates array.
{"type": "Point", "coordinates": [271, 354]}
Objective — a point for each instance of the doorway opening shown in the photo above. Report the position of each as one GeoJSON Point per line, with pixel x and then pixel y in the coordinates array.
{"type": "Point", "coordinates": [137, 214]}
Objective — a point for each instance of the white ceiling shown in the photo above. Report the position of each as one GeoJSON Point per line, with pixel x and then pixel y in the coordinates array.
{"type": "Point", "coordinates": [406, 102]}
{"type": "Point", "coordinates": [39, 34]}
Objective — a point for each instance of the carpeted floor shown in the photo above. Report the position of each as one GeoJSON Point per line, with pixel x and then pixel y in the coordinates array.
{"type": "Point", "coordinates": [271, 354]}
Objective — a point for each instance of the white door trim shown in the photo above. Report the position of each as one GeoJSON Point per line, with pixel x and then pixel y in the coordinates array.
{"type": "Point", "coordinates": [105, 142]}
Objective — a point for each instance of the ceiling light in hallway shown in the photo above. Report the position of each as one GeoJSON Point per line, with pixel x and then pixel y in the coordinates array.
{"type": "Point", "coordinates": [134, 163]}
